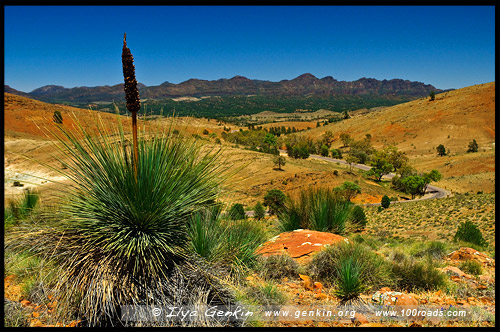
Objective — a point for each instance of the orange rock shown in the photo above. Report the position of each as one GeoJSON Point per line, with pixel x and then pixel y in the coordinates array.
{"type": "Point", "coordinates": [320, 296]}
{"type": "Point", "coordinates": [307, 281]}
{"type": "Point", "coordinates": [318, 286]}
{"type": "Point", "coordinates": [465, 253]}
{"type": "Point", "coordinates": [292, 285]}
{"type": "Point", "coordinates": [249, 278]}
{"type": "Point", "coordinates": [360, 319]}
{"type": "Point", "coordinates": [36, 314]}
{"type": "Point", "coordinates": [300, 244]}
{"type": "Point", "coordinates": [385, 289]}
{"type": "Point", "coordinates": [73, 323]}
{"type": "Point", "coordinates": [372, 325]}
{"type": "Point", "coordinates": [439, 292]}
{"type": "Point", "coordinates": [36, 323]}
{"type": "Point", "coordinates": [25, 303]}
{"type": "Point", "coordinates": [285, 279]}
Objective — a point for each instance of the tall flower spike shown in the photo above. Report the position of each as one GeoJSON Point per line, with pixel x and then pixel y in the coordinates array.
{"type": "Point", "coordinates": [130, 87]}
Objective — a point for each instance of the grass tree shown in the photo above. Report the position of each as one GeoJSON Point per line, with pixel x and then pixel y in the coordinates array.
{"type": "Point", "coordinates": [121, 229]}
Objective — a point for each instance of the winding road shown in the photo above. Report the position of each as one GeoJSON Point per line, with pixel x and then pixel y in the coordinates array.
{"type": "Point", "coordinates": [432, 192]}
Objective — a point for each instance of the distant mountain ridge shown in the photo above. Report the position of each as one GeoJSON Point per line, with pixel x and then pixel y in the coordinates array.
{"type": "Point", "coordinates": [305, 85]}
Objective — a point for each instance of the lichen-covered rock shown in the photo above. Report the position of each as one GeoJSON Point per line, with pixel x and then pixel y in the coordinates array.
{"type": "Point", "coordinates": [299, 244]}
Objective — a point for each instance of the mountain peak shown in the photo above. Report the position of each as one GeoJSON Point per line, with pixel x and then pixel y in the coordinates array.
{"type": "Point", "coordinates": [306, 76]}
{"type": "Point", "coordinates": [239, 78]}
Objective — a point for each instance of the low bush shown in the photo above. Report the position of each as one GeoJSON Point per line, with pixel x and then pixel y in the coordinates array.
{"type": "Point", "coordinates": [277, 267]}
{"type": "Point", "coordinates": [267, 294]}
{"type": "Point", "coordinates": [21, 208]}
{"type": "Point", "coordinates": [317, 209]}
{"type": "Point", "coordinates": [471, 267]}
{"type": "Point", "coordinates": [386, 202]}
{"type": "Point", "coordinates": [350, 267]}
{"type": "Point", "coordinates": [350, 282]}
{"type": "Point", "coordinates": [237, 212]}
{"type": "Point", "coordinates": [358, 217]}
{"type": "Point", "coordinates": [469, 232]}
{"type": "Point", "coordinates": [411, 275]}
{"type": "Point", "coordinates": [259, 211]}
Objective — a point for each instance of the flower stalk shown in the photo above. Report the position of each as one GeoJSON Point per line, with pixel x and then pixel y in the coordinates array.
{"type": "Point", "coordinates": [131, 94]}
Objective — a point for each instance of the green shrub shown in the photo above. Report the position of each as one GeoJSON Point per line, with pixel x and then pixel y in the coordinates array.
{"type": "Point", "coordinates": [57, 117]}
{"type": "Point", "coordinates": [243, 237]}
{"type": "Point", "coordinates": [237, 212]}
{"type": "Point", "coordinates": [317, 209]}
{"type": "Point", "coordinates": [471, 267]}
{"type": "Point", "coordinates": [358, 217]}
{"type": "Point", "coordinates": [259, 211]}
{"type": "Point", "coordinates": [267, 294]}
{"type": "Point", "coordinates": [21, 208]}
{"type": "Point", "coordinates": [275, 200]}
{"type": "Point", "coordinates": [205, 231]}
{"type": "Point", "coordinates": [353, 264]}
{"type": "Point", "coordinates": [467, 231]}
{"type": "Point", "coordinates": [434, 249]}
{"type": "Point", "coordinates": [386, 202]}
{"type": "Point", "coordinates": [230, 243]}
{"type": "Point", "coordinates": [411, 275]}
{"type": "Point", "coordinates": [349, 283]}
{"type": "Point", "coordinates": [277, 267]}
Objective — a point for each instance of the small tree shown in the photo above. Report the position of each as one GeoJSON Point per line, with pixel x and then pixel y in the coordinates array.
{"type": "Point", "coordinates": [237, 212]}
{"type": "Point", "coordinates": [349, 190]}
{"type": "Point", "coordinates": [346, 139]}
{"type": "Point", "coordinates": [386, 202]}
{"type": "Point", "coordinates": [336, 153]}
{"type": "Point", "coordinates": [441, 150]}
{"type": "Point", "coordinates": [258, 211]}
{"type": "Point", "coordinates": [275, 200]}
{"type": "Point", "coordinates": [279, 161]}
{"type": "Point", "coordinates": [473, 146]}
{"type": "Point", "coordinates": [351, 160]}
{"type": "Point", "coordinates": [324, 151]}
{"type": "Point", "coordinates": [432, 95]}
{"type": "Point", "coordinates": [328, 138]}
{"type": "Point", "coordinates": [205, 132]}
{"type": "Point", "coordinates": [57, 117]}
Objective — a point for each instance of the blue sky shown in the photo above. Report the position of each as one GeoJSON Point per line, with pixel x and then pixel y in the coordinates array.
{"type": "Point", "coordinates": [448, 46]}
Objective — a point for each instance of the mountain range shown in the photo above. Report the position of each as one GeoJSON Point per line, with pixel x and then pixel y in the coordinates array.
{"type": "Point", "coordinates": [306, 85]}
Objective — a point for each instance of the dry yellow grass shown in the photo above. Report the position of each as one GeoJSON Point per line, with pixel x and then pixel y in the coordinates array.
{"type": "Point", "coordinates": [454, 119]}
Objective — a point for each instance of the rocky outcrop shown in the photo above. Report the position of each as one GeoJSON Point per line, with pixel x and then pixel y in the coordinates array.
{"type": "Point", "coordinates": [299, 244]}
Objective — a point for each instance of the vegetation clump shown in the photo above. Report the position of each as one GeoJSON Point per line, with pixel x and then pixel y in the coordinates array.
{"type": "Point", "coordinates": [317, 209]}
{"type": "Point", "coordinates": [351, 268]}
{"type": "Point", "coordinates": [411, 274]}
{"type": "Point", "coordinates": [277, 267]}
{"type": "Point", "coordinates": [237, 212]}
{"type": "Point", "coordinates": [471, 267]}
{"type": "Point", "coordinates": [259, 211]}
{"type": "Point", "coordinates": [469, 232]}
{"type": "Point", "coordinates": [275, 200]}
{"type": "Point", "coordinates": [386, 202]}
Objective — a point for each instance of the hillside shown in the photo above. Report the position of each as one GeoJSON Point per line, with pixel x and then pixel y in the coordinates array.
{"type": "Point", "coordinates": [454, 119]}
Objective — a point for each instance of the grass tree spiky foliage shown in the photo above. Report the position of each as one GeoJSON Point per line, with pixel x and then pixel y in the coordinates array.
{"type": "Point", "coordinates": [117, 237]}
{"type": "Point", "coordinates": [318, 209]}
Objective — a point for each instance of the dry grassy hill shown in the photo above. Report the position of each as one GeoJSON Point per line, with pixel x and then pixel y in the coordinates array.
{"type": "Point", "coordinates": [454, 119]}
{"type": "Point", "coordinates": [23, 116]}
